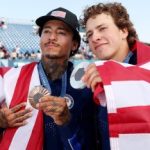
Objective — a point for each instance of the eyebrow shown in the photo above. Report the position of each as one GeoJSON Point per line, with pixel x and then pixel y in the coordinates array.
{"type": "Point", "coordinates": [59, 28]}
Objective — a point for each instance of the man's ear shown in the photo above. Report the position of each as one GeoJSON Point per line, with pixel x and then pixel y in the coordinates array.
{"type": "Point", "coordinates": [74, 45]}
{"type": "Point", "coordinates": [124, 33]}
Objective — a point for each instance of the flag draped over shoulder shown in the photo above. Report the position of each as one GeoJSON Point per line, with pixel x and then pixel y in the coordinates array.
{"type": "Point", "coordinates": [16, 84]}
{"type": "Point", "coordinates": [127, 94]}
{"type": "Point", "coordinates": [126, 91]}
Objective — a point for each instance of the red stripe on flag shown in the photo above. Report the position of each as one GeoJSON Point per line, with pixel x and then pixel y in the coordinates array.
{"type": "Point", "coordinates": [20, 95]}
{"type": "Point", "coordinates": [22, 86]}
{"type": "Point", "coordinates": [112, 71]}
{"type": "Point", "coordinates": [129, 120]}
{"type": "Point", "coordinates": [4, 70]}
{"type": "Point", "coordinates": [143, 52]}
{"type": "Point", "coordinates": [36, 139]}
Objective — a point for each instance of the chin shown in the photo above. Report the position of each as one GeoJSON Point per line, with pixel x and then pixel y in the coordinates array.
{"type": "Point", "coordinates": [101, 57]}
{"type": "Point", "coordinates": [52, 56]}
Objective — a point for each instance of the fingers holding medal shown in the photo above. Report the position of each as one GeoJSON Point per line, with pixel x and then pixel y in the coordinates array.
{"type": "Point", "coordinates": [56, 107]}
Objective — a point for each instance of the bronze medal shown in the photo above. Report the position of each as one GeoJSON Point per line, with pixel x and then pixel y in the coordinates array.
{"type": "Point", "coordinates": [36, 93]}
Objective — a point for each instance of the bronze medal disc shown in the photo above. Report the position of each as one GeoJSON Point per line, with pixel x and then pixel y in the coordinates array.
{"type": "Point", "coordinates": [36, 93]}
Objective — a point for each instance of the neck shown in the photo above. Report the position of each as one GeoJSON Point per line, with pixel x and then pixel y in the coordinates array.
{"type": "Point", "coordinates": [54, 68]}
{"type": "Point", "coordinates": [123, 52]}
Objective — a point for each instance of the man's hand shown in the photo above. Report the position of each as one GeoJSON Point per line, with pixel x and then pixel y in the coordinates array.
{"type": "Point", "coordinates": [14, 117]}
{"type": "Point", "coordinates": [55, 107]}
{"type": "Point", "coordinates": [3, 121]}
{"type": "Point", "coordinates": [91, 77]}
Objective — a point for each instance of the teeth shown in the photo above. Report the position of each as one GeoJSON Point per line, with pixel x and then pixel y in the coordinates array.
{"type": "Point", "coordinates": [36, 93]}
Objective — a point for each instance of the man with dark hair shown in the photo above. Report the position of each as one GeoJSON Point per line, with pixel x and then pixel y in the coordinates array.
{"type": "Point", "coordinates": [67, 113]}
{"type": "Point", "coordinates": [111, 36]}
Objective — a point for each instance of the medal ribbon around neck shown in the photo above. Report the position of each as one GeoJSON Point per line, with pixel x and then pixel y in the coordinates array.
{"type": "Point", "coordinates": [45, 89]}
{"type": "Point", "coordinates": [45, 83]}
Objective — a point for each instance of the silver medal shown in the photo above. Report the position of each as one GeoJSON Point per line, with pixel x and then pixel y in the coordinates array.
{"type": "Point", "coordinates": [78, 72]}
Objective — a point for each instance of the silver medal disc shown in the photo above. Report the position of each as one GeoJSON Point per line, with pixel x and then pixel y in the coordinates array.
{"type": "Point", "coordinates": [36, 93]}
{"type": "Point", "coordinates": [78, 72]}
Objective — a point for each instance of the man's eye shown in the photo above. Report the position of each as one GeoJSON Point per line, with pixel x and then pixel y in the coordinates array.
{"type": "Point", "coordinates": [46, 31]}
{"type": "Point", "coordinates": [88, 36]}
{"type": "Point", "coordinates": [102, 29]}
{"type": "Point", "coordinates": [62, 33]}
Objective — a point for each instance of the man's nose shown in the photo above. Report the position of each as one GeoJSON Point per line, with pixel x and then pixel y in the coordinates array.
{"type": "Point", "coordinates": [96, 36]}
{"type": "Point", "coordinates": [52, 36]}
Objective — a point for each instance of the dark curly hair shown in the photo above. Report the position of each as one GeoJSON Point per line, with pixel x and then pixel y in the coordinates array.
{"type": "Point", "coordinates": [119, 15]}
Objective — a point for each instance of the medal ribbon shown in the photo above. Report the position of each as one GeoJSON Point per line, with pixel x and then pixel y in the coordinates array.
{"type": "Point", "coordinates": [45, 83]}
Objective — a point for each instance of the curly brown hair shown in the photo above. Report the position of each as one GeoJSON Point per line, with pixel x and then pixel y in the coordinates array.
{"type": "Point", "coordinates": [119, 14]}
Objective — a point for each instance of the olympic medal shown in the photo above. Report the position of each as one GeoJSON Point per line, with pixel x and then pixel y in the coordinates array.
{"type": "Point", "coordinates": [78, 72]}
{"type": "Point", "coordinates": [36, 93]}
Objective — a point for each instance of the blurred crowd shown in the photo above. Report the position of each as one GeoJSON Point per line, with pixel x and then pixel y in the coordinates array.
{"type": "Point", "coordinates": [83, 53]}
{"type": "Point", "coordinates": [17, 54]}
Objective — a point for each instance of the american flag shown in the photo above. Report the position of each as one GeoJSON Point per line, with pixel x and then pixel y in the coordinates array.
{"type": "Point", "coordinates": [61, 14]}
{"type": "Point", "coordinates": [17, 82]}
{"type": "Point", "coordinates": [127, 94]}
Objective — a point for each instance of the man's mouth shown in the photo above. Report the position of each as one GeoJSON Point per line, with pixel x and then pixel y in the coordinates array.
{"type": "Point", "coordinates": [51, 44]}
{"type": "Point", "coordinates": [99, 46]}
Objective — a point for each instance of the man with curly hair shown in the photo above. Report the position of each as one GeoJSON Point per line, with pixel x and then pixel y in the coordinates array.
{"type": "Point", "coordinates": [111, 36]}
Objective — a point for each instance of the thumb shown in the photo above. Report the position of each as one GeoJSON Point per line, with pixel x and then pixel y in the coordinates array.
{"type": "Point", "coordinates": [4, 105]}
